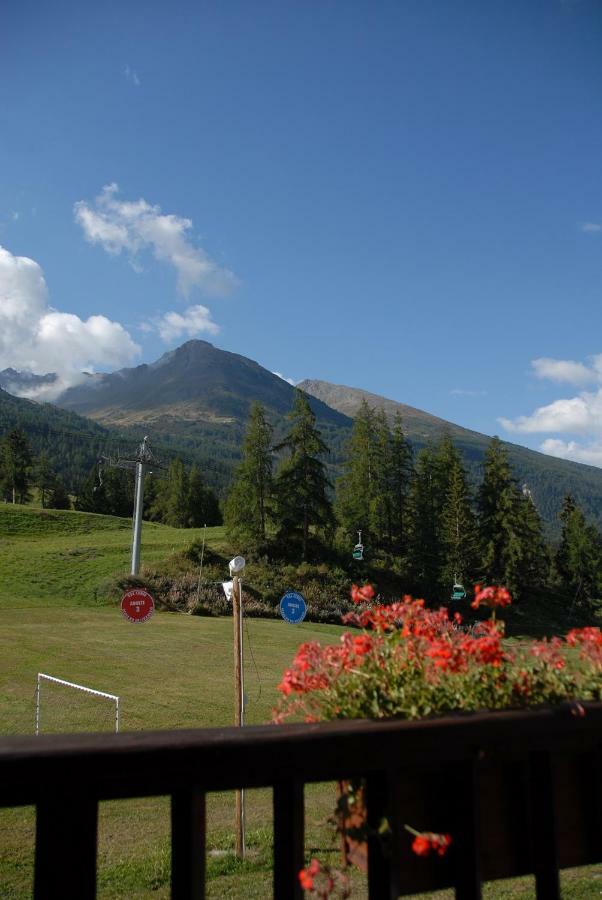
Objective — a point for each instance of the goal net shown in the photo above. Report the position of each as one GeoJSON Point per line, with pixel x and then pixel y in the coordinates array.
{"type": "Point", "coordinates": [63, 706]}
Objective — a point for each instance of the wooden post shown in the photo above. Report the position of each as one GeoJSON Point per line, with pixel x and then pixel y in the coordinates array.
{"type": "Point", "coordinates": [238, 707]}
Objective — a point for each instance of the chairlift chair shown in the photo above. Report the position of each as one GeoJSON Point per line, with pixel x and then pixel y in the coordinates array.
{"type": "Point", "coordinates": [458, 591]}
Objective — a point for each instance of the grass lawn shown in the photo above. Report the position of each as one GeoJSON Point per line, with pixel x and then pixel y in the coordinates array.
{"type": "Point", "coordinates": [173, 671]}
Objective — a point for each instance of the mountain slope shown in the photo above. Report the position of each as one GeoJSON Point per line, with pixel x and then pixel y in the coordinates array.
{"type": "Point", "coordinates": [548, 478]}
{"type": "Point", "coordinates": [197, 399]}
{"type": "Point", "coordinates": [72, 443]}
{"type": "Point", "coordinates": [195, 382]}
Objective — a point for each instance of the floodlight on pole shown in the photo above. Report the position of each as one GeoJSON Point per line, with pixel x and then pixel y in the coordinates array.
{"type": "Point", "coordinates": [236, 567]}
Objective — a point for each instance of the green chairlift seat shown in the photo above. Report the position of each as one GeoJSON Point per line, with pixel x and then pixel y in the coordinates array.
{"type": "Point", "coordinates": [458, 592]}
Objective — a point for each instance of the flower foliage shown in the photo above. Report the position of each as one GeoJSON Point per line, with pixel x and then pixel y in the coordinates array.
{"type": "Point", "coordinates": [322, 881]}
{"type": "Point", "coordinates": [427, 842]}
{"type": "Point", "coordinates": [406, 660]}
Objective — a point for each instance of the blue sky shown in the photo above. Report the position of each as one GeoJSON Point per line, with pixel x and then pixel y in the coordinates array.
{"type": "Point", "coordinates": [400, 196]}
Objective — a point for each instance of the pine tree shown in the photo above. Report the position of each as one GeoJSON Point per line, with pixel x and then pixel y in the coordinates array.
{"type": "Point", "coordinates": [381, 506]}
{"type": "Point", "coordinates": [533, 567]}
{"type": "Point", "coordinates": [496, 502]}
{"type": "Point", "coordinates": [15, 464]}
{"type": "Point", "coordinates": [172, 502]}
{"type": "Point", "coordinates": [203, 507]}
{"type": "Point", "coordinates": [401, 470]}
{"type": "Point", "coordinates": [458, 528]}
{"type": "Point", "coordinates": [579, 556]}
{"type": "Point", "coordinates": [251, 495]}
{"type": "Point", "coordinates": [355, 488]}
{"type": "Point", "coordinates": [301, 484]}
{"type": "Point", "coordinates": [44, 477]}
{"type": "Point", "coordinates": [58, 498]}
{"type": "Point", "coordinates": [513, 549]}
{"type": "Point", "coordinates": [424, 543]}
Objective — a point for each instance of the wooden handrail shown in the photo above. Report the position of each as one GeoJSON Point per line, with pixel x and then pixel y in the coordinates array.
{"type": "Point", "coordinates": [440, 771]}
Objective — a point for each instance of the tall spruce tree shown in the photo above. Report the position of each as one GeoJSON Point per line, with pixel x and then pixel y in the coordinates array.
{"type": "Point", "coordinates": [58, 498]}
{"type": "Point", "coordinates": [171, 505]}
{"type": "Point", "coordinates": [44, 478]}
{"type": "Point", "coordinates": [203, 506]}
{"type": "Point", "coordinates": [301, 483]}
{"type": "Point", "coordinates": [459, 537]}
{"type": "Point", "coordinates": [579, 556]}
{"type": "Point", "coordinates": [15, 465]}
{"type": "Point", "coordinates": [356, 487]}
{"type": "Point", "coordinates": [513, 549]}
{"type": "Point", "coordinates": [424, 540]}
{"type": "Point", "coordinates": [381, 517]}
{"type": "Point", "coordinates": [251, 495]}
{"type": "Point", "coordinates": [497, 502]}
{"type": "Point", "coordinates": [401, 470]}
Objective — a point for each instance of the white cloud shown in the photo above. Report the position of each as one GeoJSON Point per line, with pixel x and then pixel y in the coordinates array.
{"type": "Point", "coordinates": [590, 454]}
{"type": "Point", "coordinates": [38, 338]}
{"type": "Point", "coordinates": [566, 370]}
{"type": "Point", "coordinates": [284, 378]}
{"type": "Point", "coordinates": [577, 415]}
{"type": "Point", "coordinates": [591, 227]}
{"type": "Point", "coordinates": [132, 76]}
{"type": "Point", "coordinates": [133, 226]}
{"type": "Point", "coordinates": [172, 325]}
{"type": "Point", "coordinates": [581, 414]}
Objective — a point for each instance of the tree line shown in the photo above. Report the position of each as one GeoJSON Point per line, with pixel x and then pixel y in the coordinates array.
{"type": "Point", "coordinates": [178, 497]}
{"type": "Point", "coordinates": [416, 511]}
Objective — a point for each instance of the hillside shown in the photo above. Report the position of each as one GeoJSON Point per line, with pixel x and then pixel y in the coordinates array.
{"type": "Point", "coordinates": [196, 381]}
{"type": "Point", "coordinates": [197, 398]}
{"type": "Point", "coordinates": [72, 443]}
{"type": "Point", "coordinates": [548, 478]}
{"type": "Point", "coordinates": [194, 402]}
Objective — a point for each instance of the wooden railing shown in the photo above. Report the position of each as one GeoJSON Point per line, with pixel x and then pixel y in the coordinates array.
{"type": "Point", "coordinates": [519, 792]}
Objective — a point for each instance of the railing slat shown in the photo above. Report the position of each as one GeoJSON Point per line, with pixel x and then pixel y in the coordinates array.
{"type": "Point", "coordinates": [289, 839]}
{"type": "Point", "coordinates": [188, 845]}
{"type": "Point", "coordinates": [465, 847]}
{"type": "Point", "coordinates": [381, 874]}
{"type": "Point", "coordinates": [543, 826]}
{"type": "Point", "coordinates": [66, 837]}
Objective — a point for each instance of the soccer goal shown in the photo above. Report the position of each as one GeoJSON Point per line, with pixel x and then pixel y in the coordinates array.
{"type": "Point", "coordinates": [63, 706]}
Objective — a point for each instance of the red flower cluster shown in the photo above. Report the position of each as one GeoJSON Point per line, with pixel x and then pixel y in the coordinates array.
{"type": "Point", "coordinates": [491, 596]}
{"type": "Point", "coordinates": [549, 653]}
{"type": "Point", "coordinates": [584, 636]}
{"type": "Point", "coordinates": [362, 594]}
{"type": "Point", "coordinates": [315, 667]}
{"type": "Point", "coordinates": [306, 876]}
{"type": "Point", "coordinates": [426, 843]}
{"type": "Point", "coordinates": [323, 881]}
{"type": "Point", "coordinates": [589, 641]}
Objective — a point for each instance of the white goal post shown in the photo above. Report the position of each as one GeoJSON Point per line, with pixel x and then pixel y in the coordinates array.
{"type": "Point", "coordinates": [78, 687]}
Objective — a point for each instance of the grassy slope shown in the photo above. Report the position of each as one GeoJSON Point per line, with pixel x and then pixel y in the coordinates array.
{"type": "Point", "coordinates": [56, 557]}
{"type": "Point", "coordinates": [174, 671]}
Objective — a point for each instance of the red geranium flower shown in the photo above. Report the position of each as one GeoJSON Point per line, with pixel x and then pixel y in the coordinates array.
{"type": "Point", "coordinates": [427, 842]}
{"type": "Point", "coordinates": [491, 596]}
{"type": "Point", "coordinates": [362, 594]}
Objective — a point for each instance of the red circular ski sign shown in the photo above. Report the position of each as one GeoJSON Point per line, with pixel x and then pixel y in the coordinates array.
{"type": "Point", "coordinates": [137, 605]}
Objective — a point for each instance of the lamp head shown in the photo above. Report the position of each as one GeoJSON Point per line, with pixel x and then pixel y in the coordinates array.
{"type": "Point", "coordinates": [236, 565]}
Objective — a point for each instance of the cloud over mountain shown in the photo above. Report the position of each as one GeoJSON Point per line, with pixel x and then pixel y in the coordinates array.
{"type": "Point", "coordinates": [36, 337]}
{"type": "Point", "coordinates": [132, 227]}
{"type": "Point", "coordinates": [580, 415]}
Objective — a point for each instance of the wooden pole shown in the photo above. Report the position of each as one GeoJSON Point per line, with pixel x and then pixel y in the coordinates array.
{"type": "Point", "coordinates": [238, 708]}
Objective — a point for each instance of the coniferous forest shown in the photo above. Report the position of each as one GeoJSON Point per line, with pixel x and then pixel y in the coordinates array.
{"type": "Point", "coordinates": [417, 512]}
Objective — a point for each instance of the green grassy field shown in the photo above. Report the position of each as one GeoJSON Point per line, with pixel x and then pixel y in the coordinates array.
{"type": "Point", "coordinates": [173, 671]}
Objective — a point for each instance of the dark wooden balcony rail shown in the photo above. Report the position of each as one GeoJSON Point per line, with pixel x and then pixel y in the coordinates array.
{"type": "Point", "coordinates": [518, 791]}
